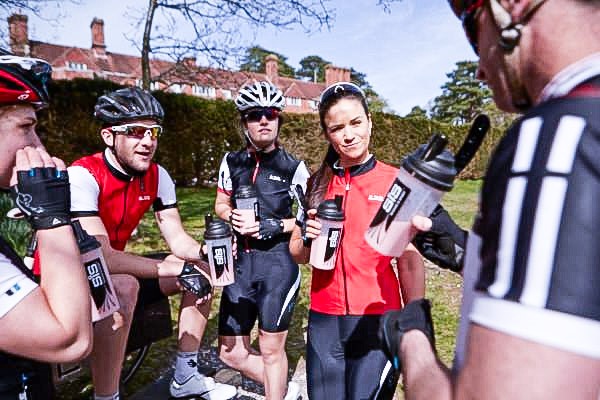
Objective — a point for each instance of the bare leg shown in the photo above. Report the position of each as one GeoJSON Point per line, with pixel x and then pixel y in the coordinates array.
{"type": "Point", "coordinates": [106, 359]}
{"type": "Point", "coordinates": [192, 317]}
{"type": "Point", "coordinates": [272, 348]}
{"type": "Point", "coordinates": [236, 352]}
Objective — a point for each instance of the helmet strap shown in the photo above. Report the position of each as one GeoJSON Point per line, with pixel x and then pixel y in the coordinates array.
{"type": "Point", "coordinates": [254, 145]}
{"type": "Point", "coordinates": [509, 40]}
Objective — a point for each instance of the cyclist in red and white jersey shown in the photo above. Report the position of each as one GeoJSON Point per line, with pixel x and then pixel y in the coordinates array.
{"type": "Point", "coordinates": [110, 192]}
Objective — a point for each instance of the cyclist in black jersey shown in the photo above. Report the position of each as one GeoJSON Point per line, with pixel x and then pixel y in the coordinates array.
{"type": "Point", "coordinates": [267, 280]}
{"type": "Point", "coordinates": [51, 321]}
{"type": "Point", "coordinates": [531, 306]}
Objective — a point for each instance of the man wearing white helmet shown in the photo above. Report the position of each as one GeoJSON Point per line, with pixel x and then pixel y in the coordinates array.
{"type": "Point", "coordinates": [267, 280]}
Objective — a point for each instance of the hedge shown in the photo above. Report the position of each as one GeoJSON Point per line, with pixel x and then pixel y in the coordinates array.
{"type": "Point", "coordinates": [199, 131]}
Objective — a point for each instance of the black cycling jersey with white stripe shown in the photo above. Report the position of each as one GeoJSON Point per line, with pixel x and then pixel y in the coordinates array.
{"type": "Point", "coordinates": [538, 224]}
{"type": "Point", "coordinates": [274, 176]}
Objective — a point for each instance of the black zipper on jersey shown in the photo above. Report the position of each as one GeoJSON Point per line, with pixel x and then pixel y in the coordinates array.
{"type": "Point", "coordinates": [347, 191]}
{"type": "Point", "coordinates": [124, 211]}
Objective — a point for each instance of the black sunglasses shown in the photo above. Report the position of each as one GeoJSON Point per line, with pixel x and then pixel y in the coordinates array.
{"type": "Point", "coordinates": [469, 22]}
{"type": "Point", "coordinates": [256, 115]}
{"type": "Point", "coordinates": [338, 90]}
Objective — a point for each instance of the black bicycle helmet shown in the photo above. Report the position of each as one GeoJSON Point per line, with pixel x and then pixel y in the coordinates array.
{"type": "Point", "coordinates": [24, 80]}
{"type": "Point", "coordinates": [259, 94]}
{"type": "Point", "coordinates": [126, 105]}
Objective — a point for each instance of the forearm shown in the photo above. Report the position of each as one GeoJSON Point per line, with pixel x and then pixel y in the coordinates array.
{"type": "Point", "coordinates": [120, 262]}
{"type": "Point", "coordinates": [185, 247]}
{"type": "Point", "coordinates": [425, 377]}
{"type": "Point", "coordinates": [223, 210]}
{"type": "Point", "coordinates": [299, 253]}
{"type": "Point", "coordinates": [411, 274]}
{"type": "Point", "coordinates": [66, 291]}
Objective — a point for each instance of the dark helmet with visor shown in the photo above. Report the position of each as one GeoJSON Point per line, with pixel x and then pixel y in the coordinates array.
{"type": "Point", "coordinates": [24, 80]}
{"type": "Point", "coordinates": [129, 104]}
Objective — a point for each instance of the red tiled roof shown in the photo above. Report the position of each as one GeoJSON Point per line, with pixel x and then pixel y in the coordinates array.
{"type": "Point", "coordinates": [120, 67]}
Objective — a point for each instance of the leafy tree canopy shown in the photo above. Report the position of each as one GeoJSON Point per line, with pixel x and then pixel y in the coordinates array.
{"type": "Point", "coordinates": [254, 61]}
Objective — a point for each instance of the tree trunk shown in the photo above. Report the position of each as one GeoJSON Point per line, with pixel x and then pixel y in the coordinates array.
{"type": "Point", "coordinates": [152, 4]}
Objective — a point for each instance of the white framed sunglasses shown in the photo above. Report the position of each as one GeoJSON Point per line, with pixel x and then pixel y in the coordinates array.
{"type": "Point", "coordinates": [138, 131]}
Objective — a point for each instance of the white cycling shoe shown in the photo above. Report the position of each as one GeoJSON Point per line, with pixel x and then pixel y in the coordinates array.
{"type": "Point", "coordinates": [202, 386]}
{"type": "Point", "coordinates": [293, 391]}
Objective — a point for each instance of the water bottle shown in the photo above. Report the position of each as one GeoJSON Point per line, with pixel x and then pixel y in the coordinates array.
{"type": "Point", "coordinates": [104, 297]}
{"type": "Point", "coordinates": [323, 252]}
{"type": "Point", "coordinates": [219, 238]}
{"type": "Point", "coordinates": [246, 200]}
{"type": "Point", "coordinates": [425, 175]}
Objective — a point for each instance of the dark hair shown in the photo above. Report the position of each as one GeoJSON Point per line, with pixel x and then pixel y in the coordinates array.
{"type": "Point", "coordinates": [318, 182]}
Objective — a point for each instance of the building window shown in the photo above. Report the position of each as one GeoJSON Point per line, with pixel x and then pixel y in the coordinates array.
{"type": "Point", "coordinates": [76, 66]}
{"type": "Point", "coordinates": [138, 83]}
{"type": "Point", "coordinates": [312, 104]}
{"type": "Point", "coordinates": [226, 94]}
{"type": "Point", "coordinates": [204, 91]}
{"type": "Point", "coordinates": [176, 88]}
{"type": "Point", "coordinates": [154, 86]}
{"type": "Point", "coordinates": [294, 101]}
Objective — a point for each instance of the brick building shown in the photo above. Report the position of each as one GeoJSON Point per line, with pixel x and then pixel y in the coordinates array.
{"type": "Point", "coordinates": [185, 77]}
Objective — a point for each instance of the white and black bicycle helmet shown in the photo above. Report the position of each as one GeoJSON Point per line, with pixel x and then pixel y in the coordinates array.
{"type": "Point", "coordinates": [126, 105]}
{"type": "Point", "coordinates": [259, 94]}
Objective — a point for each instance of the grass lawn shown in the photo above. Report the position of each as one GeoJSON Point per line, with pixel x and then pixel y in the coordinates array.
{"type": "Point", "coordinates": [443, 287]}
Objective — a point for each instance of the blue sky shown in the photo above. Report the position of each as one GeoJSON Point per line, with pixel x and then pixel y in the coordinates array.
{"type": "Point", "coordinates": [405, 53]}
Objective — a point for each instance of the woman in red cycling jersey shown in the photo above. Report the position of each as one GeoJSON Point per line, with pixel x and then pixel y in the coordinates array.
{"type": "Point", "coordinates": [344, 356]}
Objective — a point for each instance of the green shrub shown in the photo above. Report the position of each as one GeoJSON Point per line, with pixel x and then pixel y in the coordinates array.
{"type": "Point", "coordinates": [199, 131]}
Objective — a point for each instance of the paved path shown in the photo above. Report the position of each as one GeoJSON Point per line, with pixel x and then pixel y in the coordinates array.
{"type": "Point", "coordinates": [247, 389]}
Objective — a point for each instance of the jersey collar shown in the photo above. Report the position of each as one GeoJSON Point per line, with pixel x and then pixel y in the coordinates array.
{"type": "Point", "coordinates": [570, 77]}
{"type": "Point", "coordinates": [114, 168]}
{"type": "Point", "coordinates": [355, 170]}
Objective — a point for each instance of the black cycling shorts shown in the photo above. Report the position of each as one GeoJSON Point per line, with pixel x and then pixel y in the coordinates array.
{"type": "Point", "coordinates": [265, 288]}
{"type": "Point", "coordinates": [344, 359]}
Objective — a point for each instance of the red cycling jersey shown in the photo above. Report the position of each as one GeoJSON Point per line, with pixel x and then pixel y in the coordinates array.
{"type": "Point", "coordinates": [120, 200]}
{"type": "Point", "coordinates": [363, 281]}
{"type": "Point", "coordinates": [123, 200]}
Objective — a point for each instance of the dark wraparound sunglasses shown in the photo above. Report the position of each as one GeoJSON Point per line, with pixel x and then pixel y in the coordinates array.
{"type": "Point", "coordinates": [256, 115]}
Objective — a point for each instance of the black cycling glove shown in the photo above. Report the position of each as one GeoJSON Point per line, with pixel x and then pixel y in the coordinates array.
{"type": "Point", "coordinates": [42, 194]}
{"type": "Point", "coordinates": [194, 281]}
{"type": "Point", "coordinates": [269, 227]}
{"type": "Point", "coordinates": [393, 324]}
{"type": "Point", "coordinates": [444, 244]}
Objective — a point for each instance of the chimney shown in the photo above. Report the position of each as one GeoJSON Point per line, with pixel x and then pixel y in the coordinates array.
{"type": "Point", "coordinates": [272, 67]}
{"type": "Point", "coordinates": [18, 36]}
{"type": "Point", "coordinates": [336, 74]}
{"type": "Point", "coordinates": [189, 62]}
{"type": "Point", "coordinates": [98, 45]}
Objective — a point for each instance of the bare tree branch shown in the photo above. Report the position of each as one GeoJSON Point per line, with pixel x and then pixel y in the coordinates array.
{"type": "Point", "coordinates": [216, 28]}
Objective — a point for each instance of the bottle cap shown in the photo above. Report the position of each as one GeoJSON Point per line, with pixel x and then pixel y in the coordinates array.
{"type": "Point", "coordinates": [85, 242]}
{"type": "Point", "coordinates": [432, 164]}
{"type": "Point", "coordinates": [331, 209]}
{"type": "Point", "coordinates": [216, 228]}
{"type": "Point", "coordinates": [245, 192]}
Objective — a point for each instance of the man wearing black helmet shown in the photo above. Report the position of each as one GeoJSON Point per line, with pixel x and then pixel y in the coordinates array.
{"type": "Point", "coordinates": [51, 321]}
{"type": "Point", "coordinates": [531, 306]}
{"type": "Point", "coordinates": [110, 192]}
